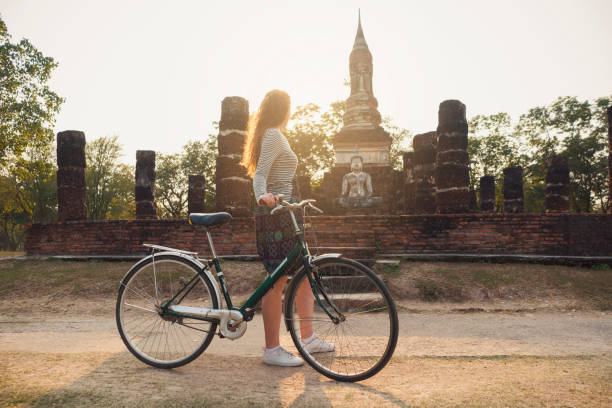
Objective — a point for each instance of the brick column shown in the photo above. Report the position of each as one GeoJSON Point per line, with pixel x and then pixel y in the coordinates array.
{"type": "Point", "coordinates": [424, 170]}
{"type": "Point", "coordinates": [409, 184]}
{"type": "Point", "coordinates": [487, 194]}
{"type": "Point", "coordinates": [610, 159]}
{"type": "Point", "coordinates": [71, 176]}
{"type": "Point", "coordinates": [557, 184]}
{"type": "Point", "coordinates": [513, 189]}
{"type": "Point", "coordinates": [145, 185]}
{"type": "Point", "coordinates": [452, 160]}
{"type": "Point", "coordinates": [473, 207]}
{"type": "Point", "coordinates": [234, 187]}
{"type": "Point", "coordinates": [195, 194]}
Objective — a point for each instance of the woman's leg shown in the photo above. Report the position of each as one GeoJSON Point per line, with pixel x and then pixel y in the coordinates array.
{"type": "Point", "coordinates": [271, 305]}
{"type": "Point", "coordinates": [305, 306]}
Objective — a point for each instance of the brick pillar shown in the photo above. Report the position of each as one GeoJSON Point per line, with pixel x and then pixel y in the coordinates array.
{"type": "Point", "coordinates": [513, 189]}
{"type": "Point", "coordinates": [487, 194]}
{"type": "Point", "coordinates": [473, 207]}
{"type": "Point", "coordinates": [409, 183]}
{"type": "Point", "coordinates": [145, 185]}
{"type": "Point", "coordinates": [452, 160]}
{"type": "Point", "coordinates": [424, 170]}
{"type": "Point", "coordinates": [610, 159]}
{"type": "Point", "coordinates": [71, 176]}
{"type": "Point", "coordinates": [234, 187]}
{"type": "Point", "coordinates": [195, 194]}
{"type": "Point", "coordinates": [557, 184]}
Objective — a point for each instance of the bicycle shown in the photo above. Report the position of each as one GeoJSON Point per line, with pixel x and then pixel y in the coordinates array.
{"type": "Point", "coordinates": [169, 306]}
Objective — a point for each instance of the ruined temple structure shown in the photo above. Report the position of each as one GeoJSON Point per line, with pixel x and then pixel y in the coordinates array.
{"type": "Point", "coordinates": [452, 160]}
{"type": "Point", "coordinates": [610, 159]}
{"type": "Point", "coordinates": [409, 183]}
{"type": "Point", "coordinates": [487, 194]}
{"type": "Point", "coordinates": [71, 176]}
{"type": "Point", "coordinates": [195, 193]}
{"type": "Point", "coordinates": [557, 184]}
{"type": "Point", "coordinates": [145, 185]}
{"type": "Point", "coordinates": [234, 187]}
{"type": "Point", "coordinates": [361, 136]}
{"type": "Point", "coordinates": [513, 189]}
{"type": "Point", "coordinates": [424, 146]}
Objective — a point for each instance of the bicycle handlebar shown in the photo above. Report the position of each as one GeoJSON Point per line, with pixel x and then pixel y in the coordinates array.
{"type": "Point", "coordinates": [283, 204]}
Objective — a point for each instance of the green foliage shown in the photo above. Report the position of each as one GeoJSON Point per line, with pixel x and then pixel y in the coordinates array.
{"type": "Point", "coordinates": [577, 130]}
{"type": "Point", "coordinates": [110, 184]}
{"type": "Point", "coordinates": [312, 131]}
{"type": "Point", "coordinates": [573, 128]}
{"type": "Point", "coordinates": [28, 108]}
{"type": "Point", "coordinates": [310, 136]}
{"type": "Point", "coordinates": [172, 177]}
{"type": "Point", "coordinates": [491, 145]}
{"type": "Point", "coordinates": [398, 137]}
{"type": "Point", "coordinates": [28, 194]}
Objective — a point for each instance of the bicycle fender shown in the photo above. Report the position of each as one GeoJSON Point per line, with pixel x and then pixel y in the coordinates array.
{"type": "Point", "coordinates": [188, 258]}
{"type": "Point", "coordinates": [291, 284]}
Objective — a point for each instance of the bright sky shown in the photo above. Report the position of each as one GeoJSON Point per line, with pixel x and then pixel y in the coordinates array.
{"type": "Point", "coordinates": [154, 72]}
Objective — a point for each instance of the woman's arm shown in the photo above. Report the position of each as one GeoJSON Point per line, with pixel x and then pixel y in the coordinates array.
{"type": "Point", "coordinates": [270, 148]}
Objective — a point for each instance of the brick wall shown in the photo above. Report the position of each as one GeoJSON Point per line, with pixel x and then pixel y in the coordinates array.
{"type": "Point", "coordinates": [540, 234]}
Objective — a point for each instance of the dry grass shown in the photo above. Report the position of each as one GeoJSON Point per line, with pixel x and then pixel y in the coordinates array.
{"type": "Point", "coordinates": [6, 254]}
{"type": "Point", "coordinates": [46, 281]}
{"type": "Point", "coordinates": [587, 288]}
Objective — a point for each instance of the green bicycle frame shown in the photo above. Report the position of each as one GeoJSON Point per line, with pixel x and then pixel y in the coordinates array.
{"type": "Point", "coordinates": [299, 250]}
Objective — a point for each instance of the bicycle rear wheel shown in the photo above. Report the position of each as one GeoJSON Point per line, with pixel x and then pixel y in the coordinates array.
{"type": "Point", "coordinates": [158, 339]}
{"type": "Point", "coordinates": [364, 342]}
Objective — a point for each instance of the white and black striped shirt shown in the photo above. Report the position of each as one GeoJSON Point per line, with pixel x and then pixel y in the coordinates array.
{"type": "Point", "coordinates": [276, 165]}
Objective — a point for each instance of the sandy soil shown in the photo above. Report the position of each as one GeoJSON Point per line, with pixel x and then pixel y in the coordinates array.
{"type": "Point", "coordinates": [443, 358]}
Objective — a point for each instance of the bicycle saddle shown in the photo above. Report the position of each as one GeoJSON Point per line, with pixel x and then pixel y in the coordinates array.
{"type": "Point", "coordinates": [209, 220]}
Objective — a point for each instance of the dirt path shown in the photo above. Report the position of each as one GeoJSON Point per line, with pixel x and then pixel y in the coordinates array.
{"type": "Point", "coordinates": [474, 334]}
{"type": "Point", "coordinates": [442, 359]}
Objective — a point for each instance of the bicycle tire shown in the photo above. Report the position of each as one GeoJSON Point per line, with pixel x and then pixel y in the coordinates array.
{"type": "Point", "coordinates": [163, 341]}
{"type": "Point", "coordinates": [367, 305]}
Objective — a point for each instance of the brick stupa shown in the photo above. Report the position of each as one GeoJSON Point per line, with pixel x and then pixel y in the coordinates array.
{"type": "Point", "coordinates": [361, 135]}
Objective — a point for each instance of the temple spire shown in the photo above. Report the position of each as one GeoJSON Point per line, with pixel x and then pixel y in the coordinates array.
{"type": "Point", "coordinates": [359, 37]}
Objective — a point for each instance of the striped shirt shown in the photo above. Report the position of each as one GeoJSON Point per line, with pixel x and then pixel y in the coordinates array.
{"type": "Point", "coordinates": [276, 165]}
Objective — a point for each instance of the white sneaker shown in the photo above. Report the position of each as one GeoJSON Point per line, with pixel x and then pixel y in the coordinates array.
{"type": "Point", "coordinates": [319, 346]}
{"type": "Point", "coordinates": [281, 357]}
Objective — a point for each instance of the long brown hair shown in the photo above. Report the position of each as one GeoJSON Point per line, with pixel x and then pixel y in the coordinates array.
{"type": "Point", "coordinates": [271, 113]}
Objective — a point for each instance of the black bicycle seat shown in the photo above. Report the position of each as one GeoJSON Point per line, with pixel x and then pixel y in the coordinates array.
{"type": "Point", "coordinates": [209, 220]}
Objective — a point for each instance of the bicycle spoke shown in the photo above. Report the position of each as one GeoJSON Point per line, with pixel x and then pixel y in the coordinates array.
{"type": "Point", "coordinates": [159, 339]}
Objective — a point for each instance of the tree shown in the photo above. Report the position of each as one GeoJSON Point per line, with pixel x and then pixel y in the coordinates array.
{"type": "Point", "coordinates": [172, 177]}
{"type": "Point", "coordinates": [29, 106]}
{"type": "Point", "coordinates": [398, 136]}
{"type": "Point", "coordinates": [200, 158]}
{"type": "Point", "coordinates": [576, 129]}
{"type": "Point", "coordinates": [310, 137]}
{"type": "Point", "coordinates": [492, 146]}
{"type": "Point", "coordinates": [28, 194]}
{"type": "Point", "coordinates": [110, 184]}
{"type": "Point", "coordinates": [311, 133]}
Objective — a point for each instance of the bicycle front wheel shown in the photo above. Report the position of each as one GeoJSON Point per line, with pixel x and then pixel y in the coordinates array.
{"type": "Point", "coordinates": [366, 335]}
{"type": "Point", "coordinates": [159, 339]}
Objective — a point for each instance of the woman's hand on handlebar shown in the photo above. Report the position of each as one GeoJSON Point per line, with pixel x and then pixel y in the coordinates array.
{"type": "Point", "coordinates": [267, 199]}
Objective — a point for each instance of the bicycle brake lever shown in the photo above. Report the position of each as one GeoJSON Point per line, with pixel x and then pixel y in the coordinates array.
{"type": "Point", "coordinates": [315, 208]}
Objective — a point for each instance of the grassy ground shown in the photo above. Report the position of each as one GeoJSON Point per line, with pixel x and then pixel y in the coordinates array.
{"type": "Point", "coordinates": [580, 288]}
{"type": "Point", "coordinates": [4, 254]}
{"type": "Point", "coordinates": [105, 379]}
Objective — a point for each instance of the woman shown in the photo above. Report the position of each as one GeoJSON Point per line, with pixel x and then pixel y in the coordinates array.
{"type": "Point", "coordinates": [269, 159]}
